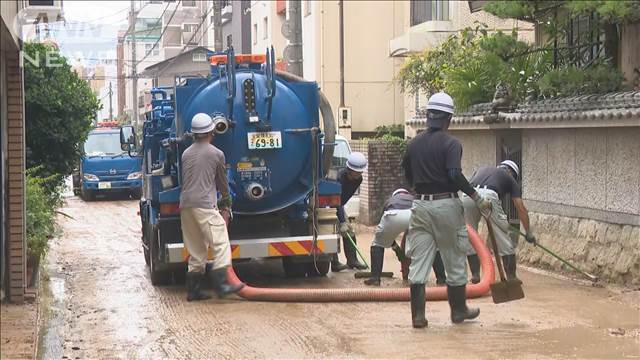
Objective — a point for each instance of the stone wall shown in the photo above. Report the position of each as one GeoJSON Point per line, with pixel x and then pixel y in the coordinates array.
{"type": "Point", "coordinates": [609, 251]}
{"type": "Point", "coordinates": [384, 174]}
{"type": "Point", "coordinates": [596, 169]}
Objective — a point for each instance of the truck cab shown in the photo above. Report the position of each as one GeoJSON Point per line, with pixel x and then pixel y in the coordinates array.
{"type": "Point", "coordinates": [105, 167]}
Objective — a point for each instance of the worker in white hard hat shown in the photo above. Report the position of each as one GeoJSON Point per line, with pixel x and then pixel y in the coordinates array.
{"type": "Point", "coordinates": [495, 183]}
{"type": "Point", "coordinates": [394, 221]}
{"type": "Point", "coordinates": [203, 216]}
{"type": "Point", "coordinates": [350, 179]}
{"type": "Point", "coordinates": [432, 165]}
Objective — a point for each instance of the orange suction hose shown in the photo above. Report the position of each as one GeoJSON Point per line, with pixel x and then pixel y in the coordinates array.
{"type": "Point", "coordinates": [371, 294]}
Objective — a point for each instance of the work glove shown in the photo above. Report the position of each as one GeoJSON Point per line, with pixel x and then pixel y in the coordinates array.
{"type": "Point", "coordinates": [530, 238]}
{"type": "Point", "coordinates": [483, 204]}
{"type": "Point", "coordinates": [345, 228]}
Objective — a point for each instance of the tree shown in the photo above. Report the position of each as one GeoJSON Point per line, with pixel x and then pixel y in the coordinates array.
{"type": "Point", "coordinates": [59, 110]}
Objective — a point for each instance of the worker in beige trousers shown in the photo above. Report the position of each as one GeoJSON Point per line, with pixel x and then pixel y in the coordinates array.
{"type": "Point", "coordinates": [202, 216]}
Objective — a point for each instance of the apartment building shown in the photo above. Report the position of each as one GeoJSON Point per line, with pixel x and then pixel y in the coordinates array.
{"type": "Point", "coordinates": [163, 30]}
{"type": "Point", "coordinates": [13, 245]}
{"type": "Point", "coordinates": [426, 23]}
{"type": "Point", "coordinates": [236, 25]}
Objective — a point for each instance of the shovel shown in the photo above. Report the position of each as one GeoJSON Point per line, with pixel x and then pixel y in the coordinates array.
{"type": "Point", "coordinates": [504, 290]}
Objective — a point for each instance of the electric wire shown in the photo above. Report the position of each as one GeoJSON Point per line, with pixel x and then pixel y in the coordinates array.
{"type": "Point", "coordinates": [161, 34]}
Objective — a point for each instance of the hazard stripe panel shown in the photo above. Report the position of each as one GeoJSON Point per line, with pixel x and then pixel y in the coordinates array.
{"type": "Point", "coordinates": [295, 248]}
{"type": "Point", "coordinates": [266, 247]}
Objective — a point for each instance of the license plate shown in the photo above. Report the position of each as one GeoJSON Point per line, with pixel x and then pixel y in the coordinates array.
{"type": "Point", "coordinates": [265, 140]}
{"type": "Point", "coordinates": [104, 185]}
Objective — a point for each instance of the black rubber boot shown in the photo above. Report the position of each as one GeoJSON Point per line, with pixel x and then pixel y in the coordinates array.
{"type": "Point", "coordinates": [458, 304]}
{"type": "Point", "coordinates": [474, 266]}
{"type": "Point", "coordinates": [194, 292]}
{"type": "Point", "coordinates": [220, 284]}
{"type": "Point", "coordinates": [336, 265]}
{"type": "Point", "coordinates": [509, 262]}
{"type": "Point", "coordinates": [377, 259]}
{"type": "Point", "coordinates": [418, 318]}
{"type": "Point", "coordinates": [351, 254]}
{"type": "Point", "coordinates": [438, 269]}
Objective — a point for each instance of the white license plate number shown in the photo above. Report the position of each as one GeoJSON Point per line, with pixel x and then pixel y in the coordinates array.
{"type": "Point", "coordinates": [265, 140]}
{"type": "Point", "coordinates": [104, 185]}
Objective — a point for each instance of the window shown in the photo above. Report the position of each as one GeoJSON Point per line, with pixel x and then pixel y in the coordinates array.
{"type": "Point", "coordinates": [265, 27]}
{"type": "Point", "coordinates": [189, 34]}
{"type": "Point", "coordinates": [255, 34]}
{"type": "Point", "coordinates": [151, 50]}
{"type": "Point", "coordinates": [429, 10]}
{"type": "Point", "coordinates": [199, 56]}
{"type": "Point", "coordinates": [188, 3]}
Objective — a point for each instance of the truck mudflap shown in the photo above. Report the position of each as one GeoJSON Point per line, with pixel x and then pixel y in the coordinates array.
{"type": "Point", "coordinates": [261, 248]}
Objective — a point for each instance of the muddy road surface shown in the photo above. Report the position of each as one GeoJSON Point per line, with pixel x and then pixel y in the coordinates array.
{"type": "Point", "coordinates": [102, 305]}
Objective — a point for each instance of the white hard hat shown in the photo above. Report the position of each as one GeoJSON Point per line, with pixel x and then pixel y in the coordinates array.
{"type": "Point", "coordinates": [357, 162]}
{"type": "Point", "coordinates": [512, 165]}
{"type": "Point", "coordinates": [202, 123]}
{"type": "Point", "coordinates": [400, 190]}
{"type": "Point", "coordinates": [441, 101]}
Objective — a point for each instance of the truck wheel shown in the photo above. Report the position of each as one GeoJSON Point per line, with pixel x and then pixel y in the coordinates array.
{"type": "Point", "coordinates": [87, 195]}
{"type": "Point", "coordinates": [322, 267]}
{"type": "Point", "coordinates": [294, 268]}
{"type": "Point", "coordinates": [147, 257]}
{"type": "Point", "coordinates": [158, 277]}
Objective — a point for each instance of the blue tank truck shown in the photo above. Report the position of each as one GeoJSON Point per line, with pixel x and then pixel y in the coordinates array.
{"type": "Point", "coordinates": [105, 167]}
{"type": "Point", "coordinates": [267, 124]}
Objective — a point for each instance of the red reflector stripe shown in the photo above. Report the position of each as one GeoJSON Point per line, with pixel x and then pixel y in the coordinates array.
{"type": "Point", "coordinates": [331, 200]}
{"type": "Point", "coordinates": [169, 209]}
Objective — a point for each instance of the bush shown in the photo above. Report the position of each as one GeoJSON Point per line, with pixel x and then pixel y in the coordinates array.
{"type": "Point", "coordinates": [571, 81]}
{"type": "Point", "coordinates": [41, 205]}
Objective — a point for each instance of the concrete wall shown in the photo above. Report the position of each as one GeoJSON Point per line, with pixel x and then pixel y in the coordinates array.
{"type": "Point", "coordinates": [585, 168]}
{"type": "Point", "coordinates": [478, 149]}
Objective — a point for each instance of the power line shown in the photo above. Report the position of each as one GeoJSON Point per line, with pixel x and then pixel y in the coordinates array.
{"type": "Point", "coordinates": [161, 35]}
{"type": "Point", "coordinates": [155, 26]}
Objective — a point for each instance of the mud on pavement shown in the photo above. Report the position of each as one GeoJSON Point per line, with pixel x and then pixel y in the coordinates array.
{"type": "Point", "coordinates": [104, 306]}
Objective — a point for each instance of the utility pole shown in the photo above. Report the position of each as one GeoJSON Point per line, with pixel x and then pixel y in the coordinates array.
{"type": "Point", "coordinates": [134, 65]}
{"type": "Point", "coordinates": [217, 25]}
{"type": "Point", "coordinates": [292, 30]}
{"type": "Point", "coordinates": [110, 102]}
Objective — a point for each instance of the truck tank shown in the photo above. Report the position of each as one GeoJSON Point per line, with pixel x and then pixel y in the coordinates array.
{"type": "Point", "coordinates": [267, 125]}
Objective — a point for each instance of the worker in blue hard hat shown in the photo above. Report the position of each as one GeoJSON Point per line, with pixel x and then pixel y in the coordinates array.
{"type": "Point", "coordinates": [495, 183]}
{"type": "Point", "coordinates": [203, 216]}
{"type": "Point", "coordinates": [432, 165]}
{"type": "Point", "coordinates": [350, 178]}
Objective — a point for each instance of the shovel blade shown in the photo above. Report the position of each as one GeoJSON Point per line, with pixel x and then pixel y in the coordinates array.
{"type": "Point", "coordinates": [505, 291]}
{"type": "Point", "coordinates": [367, 274]}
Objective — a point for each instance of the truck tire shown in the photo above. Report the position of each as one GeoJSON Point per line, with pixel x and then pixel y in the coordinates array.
{"type": "Point", "coordinates": [87, 195]}
{"type": "Point", "coordinates": [321, 268]}
{"type": "Point", "coordinates": [294, 269]}
{"type": "Point", "coordinates": [158, 277]}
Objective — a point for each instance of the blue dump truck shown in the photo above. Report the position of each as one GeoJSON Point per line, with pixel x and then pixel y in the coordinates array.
{"type": "Point", "coordinates": [279, 165]}
{"type": "Point", "coordinates": [105, 167]}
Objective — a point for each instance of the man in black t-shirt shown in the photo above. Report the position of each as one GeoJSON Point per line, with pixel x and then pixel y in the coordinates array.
{"type": "Point", "coordinates": [494, 183]}
{"type": "Point", "coordinates": [432, 165]}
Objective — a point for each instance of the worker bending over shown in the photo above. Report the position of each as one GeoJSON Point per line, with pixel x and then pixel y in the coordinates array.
{"type": "Point", "coordinates": [433, 167]}
{"type": "Point", "coordinates": [494, 183]}
{"type": "Point", "coordinates": [203, 225]}
{"type": "Point", "coordinates": [350, 179]}
{"type": "Point", "coordinates": [394, 221]}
